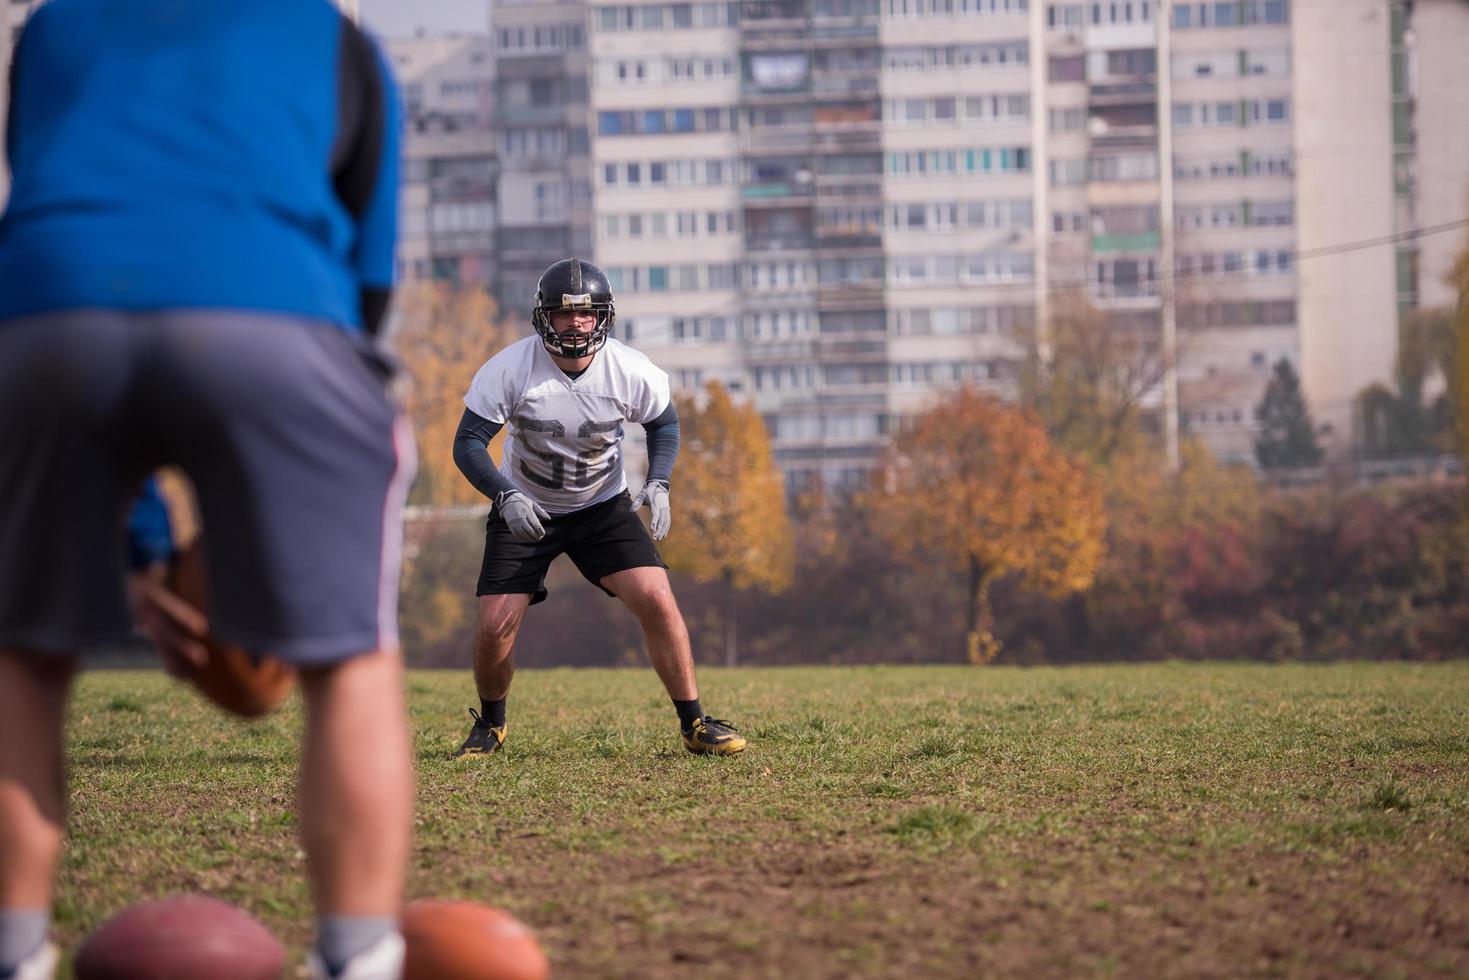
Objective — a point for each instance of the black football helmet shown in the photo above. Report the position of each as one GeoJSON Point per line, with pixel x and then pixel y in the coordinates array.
{"type": "Point", "coordinates": [572, 284]}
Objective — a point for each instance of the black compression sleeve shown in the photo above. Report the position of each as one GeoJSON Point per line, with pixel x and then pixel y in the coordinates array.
{"type": "Point", "coordinates": [470, 443]}
{"type": "Point", "coordinates": [374, 307]}
{"type": "Point", "coordinates": [663, 440]}
{"type": "Point", "coordinates": [11, 126]}
{"type": "Point", "coordinates": [356, 157]}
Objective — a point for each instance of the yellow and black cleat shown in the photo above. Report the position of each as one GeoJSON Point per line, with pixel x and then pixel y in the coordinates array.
{"type": "Point", "coordinates": [710, 736]}
{"type": "Point", "coordinates": [483, 739]}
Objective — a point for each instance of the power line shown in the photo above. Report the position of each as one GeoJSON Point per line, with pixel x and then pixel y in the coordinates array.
{"type": "Point", "coordinates": [1057, 286]}
{"type": "Point", "coordinates": [1064, 285]}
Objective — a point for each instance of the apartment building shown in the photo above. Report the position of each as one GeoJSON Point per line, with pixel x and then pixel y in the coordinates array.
{"type": "Point", "coordinates": [840, 206]}
{"type": "Point", "coordinates": [541, 143]}
{"type": "Point", "coordinates": [497, 167]}
{"type": "Point", "coordinates": [780, 209]}
{"type": "Point", "coordinates": [448, 200]}
{"type": "Point", "coordinates": [1233, 212]}
{"type": "Point", "coordinates": [1382, 148]}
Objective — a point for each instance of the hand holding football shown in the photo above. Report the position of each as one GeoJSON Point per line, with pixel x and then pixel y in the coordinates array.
{"type": "Point", "coordinates": [233, 678]}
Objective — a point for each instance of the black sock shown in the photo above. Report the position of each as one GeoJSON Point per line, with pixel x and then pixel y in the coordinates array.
{"type": "Point", "coordinates": [492, 713]}
{"type": "Point", "coordinates": [688, 711]}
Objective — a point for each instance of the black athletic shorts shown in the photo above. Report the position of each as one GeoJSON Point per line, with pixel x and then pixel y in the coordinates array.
{"type": "Point", "coordinates": [600, 539]}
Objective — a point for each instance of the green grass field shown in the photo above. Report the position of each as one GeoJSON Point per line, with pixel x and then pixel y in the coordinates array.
{"type": "Point", "coordinates": [1164, 820]}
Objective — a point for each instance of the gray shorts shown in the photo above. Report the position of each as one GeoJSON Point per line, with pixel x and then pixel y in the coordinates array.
{"type": "Point", "coordinates": [300, 460]}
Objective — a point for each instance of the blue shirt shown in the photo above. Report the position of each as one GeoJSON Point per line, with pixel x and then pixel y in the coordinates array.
{"type": "Point", "coordinates": [199, 154]}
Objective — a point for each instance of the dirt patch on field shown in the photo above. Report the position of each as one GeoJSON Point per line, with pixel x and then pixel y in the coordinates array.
{"type": "Point", "coordinates": [789, 910]}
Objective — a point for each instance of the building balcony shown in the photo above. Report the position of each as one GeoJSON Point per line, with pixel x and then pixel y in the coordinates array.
{"type": "Point", "coordinates": [462, 189]}
{"type": "Point", "coordinates": [777, 352]}
{"type": "Point", "coordinates": [776, 140]}
{"type": "Point", "coordinates": [802, 35]}
{"type": "Point", "coordinates": [1126, 138]}
{"type": "Point", "coordinates": [786, 13]}
{"type": "Point", "coordinates": [847, 137]}
{"type": "Point", "coordinates": [864, 351]}
{"type": "Point", "coordinates": [534, 164]}
{"type": "Point", "coordinates": [844, 84]}
{"type": "Point", "coordinates": [849, 295]}
{"type": "Point", "coordinates": [846, 189]}
{"type": "Point", "coordinates": [1123, 92]}
{"type": "Point", "coordinates": [777, 193]}
{"type": "Point", "coordinates": [753, 93]}
{"type": "Point", "coordinates": [529, 115]}
{"type": "Point", "coordinates": [1125, 296]}
{"type": "Point", "coordinates": [844, 239]}
{"type": "Point", "coordinates": [838, 33]}
{"type": "Point", "coordinates": [791, 241]}
{"type": "Point", "coordinates": [1146, 241]}
{"type": "Point", "coordinates": [460, 242]}
{"type": "Point", "coordinates": [788, 34]}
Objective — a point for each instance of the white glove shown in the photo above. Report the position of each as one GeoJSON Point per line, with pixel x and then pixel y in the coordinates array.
{"type": "Point", "coordinates": [523, 516]}
{"type": "Point", "coordinates": [655, 495]}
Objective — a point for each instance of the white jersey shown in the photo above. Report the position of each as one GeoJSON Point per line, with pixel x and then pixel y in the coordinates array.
{"type": "Point", "coordinates": [563, 443]}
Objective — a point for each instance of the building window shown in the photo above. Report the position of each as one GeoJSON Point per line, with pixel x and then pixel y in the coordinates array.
{"type": "Point", "coordinates": [1070, 68]}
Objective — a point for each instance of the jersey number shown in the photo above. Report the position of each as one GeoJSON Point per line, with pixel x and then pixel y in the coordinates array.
{"type": "Point", "coordinates": [585, 460]}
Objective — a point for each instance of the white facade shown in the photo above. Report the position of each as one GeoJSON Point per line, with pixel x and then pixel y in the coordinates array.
{"type": "Point", "coordinates": [1186, 180]}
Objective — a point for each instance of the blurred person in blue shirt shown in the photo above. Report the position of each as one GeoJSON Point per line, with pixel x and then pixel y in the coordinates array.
{"type": "Point", "coordinates": [194, 262]}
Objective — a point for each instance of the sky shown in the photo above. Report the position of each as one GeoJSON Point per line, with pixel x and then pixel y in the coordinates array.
{"type": "Point", "coordinates": [403, 18]}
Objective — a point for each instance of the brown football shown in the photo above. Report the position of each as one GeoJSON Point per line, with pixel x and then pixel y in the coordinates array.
{"type": "Point", "coordinates": [240, 682]}
{"type": "Point", "coordinates": [184, 937]}
{"type": "Point", "coordinates": [449, 940]}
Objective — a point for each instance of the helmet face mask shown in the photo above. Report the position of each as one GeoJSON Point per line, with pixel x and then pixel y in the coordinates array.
{"type": "Point", "coordinates": [573, 286]}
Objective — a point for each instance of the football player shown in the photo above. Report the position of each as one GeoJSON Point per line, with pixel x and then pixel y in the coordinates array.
{"type": "Point", "coordinates": [563, 395]}
{"type": "Point", "coordinates": [196, 251]}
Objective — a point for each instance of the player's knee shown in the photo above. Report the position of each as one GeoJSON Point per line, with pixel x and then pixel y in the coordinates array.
{"type": "Point", "coordinates": [654, 602]}
{"type": "Point", "coordinates": [499, 627]}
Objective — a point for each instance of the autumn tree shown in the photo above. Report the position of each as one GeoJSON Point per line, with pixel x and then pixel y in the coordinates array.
{"type": "Point", "coordinates": [442, 333]}
{"type": "Point", "coordinates": [1153, 515]}
{"type": "Point", "coordinates": [979, 486]}
{"type": "Point", "coordinates": [1287, 436]}
{"type": "Point", "coordinates": [1086, 375]}
{"type": "Point", "coordinates": [1417, 414]}
{"type": "Point", "coordinates": [729, 517]}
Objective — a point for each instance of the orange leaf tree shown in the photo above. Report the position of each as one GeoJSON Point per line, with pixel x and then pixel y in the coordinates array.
{"type": "Point", "coordinates": [729, 516]}
{"type": "Point", "coordinates": [443, 333]}
{"type": "Point", "coordinates": [978, 485]}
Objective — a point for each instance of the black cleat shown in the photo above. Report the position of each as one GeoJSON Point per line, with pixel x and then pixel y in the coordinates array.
{"type": "Point", "coordinates": [710, 736]}
{"type": "Point", "coordinates": [483, 738]}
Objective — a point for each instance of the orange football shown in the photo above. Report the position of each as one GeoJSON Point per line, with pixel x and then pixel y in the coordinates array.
{"type": "Point", "coordinates": [450, 940]}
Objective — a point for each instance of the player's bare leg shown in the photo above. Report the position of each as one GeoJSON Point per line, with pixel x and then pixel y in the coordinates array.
{"type": "Point", "coordinates": [647, 593]}
{"type": "Point", "coordinates": [33, 695]}
{"type": "Point", "coordinates": [498, 623]}
{"type": "Point", "coordinates": [357, 785]}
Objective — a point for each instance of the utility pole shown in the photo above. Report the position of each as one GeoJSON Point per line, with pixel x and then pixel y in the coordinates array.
{"type": "Point", "coordinates": [1167, 295]}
